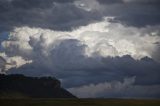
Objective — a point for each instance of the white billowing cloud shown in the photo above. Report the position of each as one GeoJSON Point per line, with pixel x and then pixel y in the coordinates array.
{"type": "Point", "coordinates": [49, 48]}
{"type": "Point", "coordinates": [7, 63]}
{"type": "Point", "coordinates": [114, 39]}
{"type": "Point", "coordinates": [116, 89]}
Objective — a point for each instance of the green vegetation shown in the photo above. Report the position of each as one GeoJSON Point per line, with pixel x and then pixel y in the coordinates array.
{"type": "Point", "coordinates": [77, 102]}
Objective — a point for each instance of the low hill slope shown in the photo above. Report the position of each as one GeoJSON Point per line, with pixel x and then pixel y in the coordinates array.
{"type": "Point", "coordinates": [19, 86]}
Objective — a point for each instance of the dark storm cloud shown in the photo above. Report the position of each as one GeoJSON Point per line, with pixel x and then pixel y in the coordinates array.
{"type": "Point", "coordinates": [138, 14]}
{"type": "Point", "coordinates": [31, 3]}
{"type": "Point", "coordinates": [52, 14]}
{"type": "Point", "coordinates": [64, 15]}
{"type": "Point", "coordinates": [110, 1]}
{"type": "Point", "coordinates": [129, 1]}
{"type": "Point", "coordinates": [141, 1]}
{"type": "Point", "coordinates": [113, 69]}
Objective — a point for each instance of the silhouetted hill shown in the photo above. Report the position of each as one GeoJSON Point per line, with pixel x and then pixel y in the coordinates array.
{"type": "Point", "coordinates": [19, 86]}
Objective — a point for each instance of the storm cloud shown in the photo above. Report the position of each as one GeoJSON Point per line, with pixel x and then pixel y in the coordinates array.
{"type": "Point", "coordinates": [66, 15]}
{"type": "Point", "coordinates": [97, 48]}
{"type": "Point", "coordinates": [96, 53]}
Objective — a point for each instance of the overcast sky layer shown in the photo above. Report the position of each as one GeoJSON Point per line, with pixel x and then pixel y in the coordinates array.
{"type": "Point", "coordinates": [96, 48]}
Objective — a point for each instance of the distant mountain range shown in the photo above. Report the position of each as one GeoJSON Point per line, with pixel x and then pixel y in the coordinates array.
{"type": "Point", "coordinates": [20, 86]}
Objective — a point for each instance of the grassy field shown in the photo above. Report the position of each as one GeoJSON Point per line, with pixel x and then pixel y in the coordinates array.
{"type": "Point", "coordinates": [77, 102]}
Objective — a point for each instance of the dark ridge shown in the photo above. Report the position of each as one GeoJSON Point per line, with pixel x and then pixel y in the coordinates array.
{"type": "Point", "coordinates": [20, 86]}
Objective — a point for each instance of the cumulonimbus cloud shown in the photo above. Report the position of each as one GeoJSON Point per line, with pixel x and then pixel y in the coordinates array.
{"type": "Point", "coordinates": [96, 40]}
{"type": "Point", "coordinates": [96, 50]}
{"type": "Point", "coordinates": [101, 39]}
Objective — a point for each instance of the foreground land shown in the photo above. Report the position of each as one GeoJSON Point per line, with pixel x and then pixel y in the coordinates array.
{"type": "Point", "coordinates": [77, 102]}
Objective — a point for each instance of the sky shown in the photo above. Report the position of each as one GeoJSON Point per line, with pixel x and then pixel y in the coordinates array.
{"type": "Point", "coordinates": [96, 48]}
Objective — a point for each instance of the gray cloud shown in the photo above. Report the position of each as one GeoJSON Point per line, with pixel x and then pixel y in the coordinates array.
{"type": "Point", "coordinates": [129, 1]}
{"type": "Point", "coordinates": [110, 1]}
{"type": "Point", "coordinates": [141, 1]}
{"type": "Point", "coordinates": [79, 74]}
{"type": "Point", "coordinates": [125, 89]}
{"type": "Point", "coordinates": [65, 15]}
{"type": "Point", "coordinates": [52, 14]}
